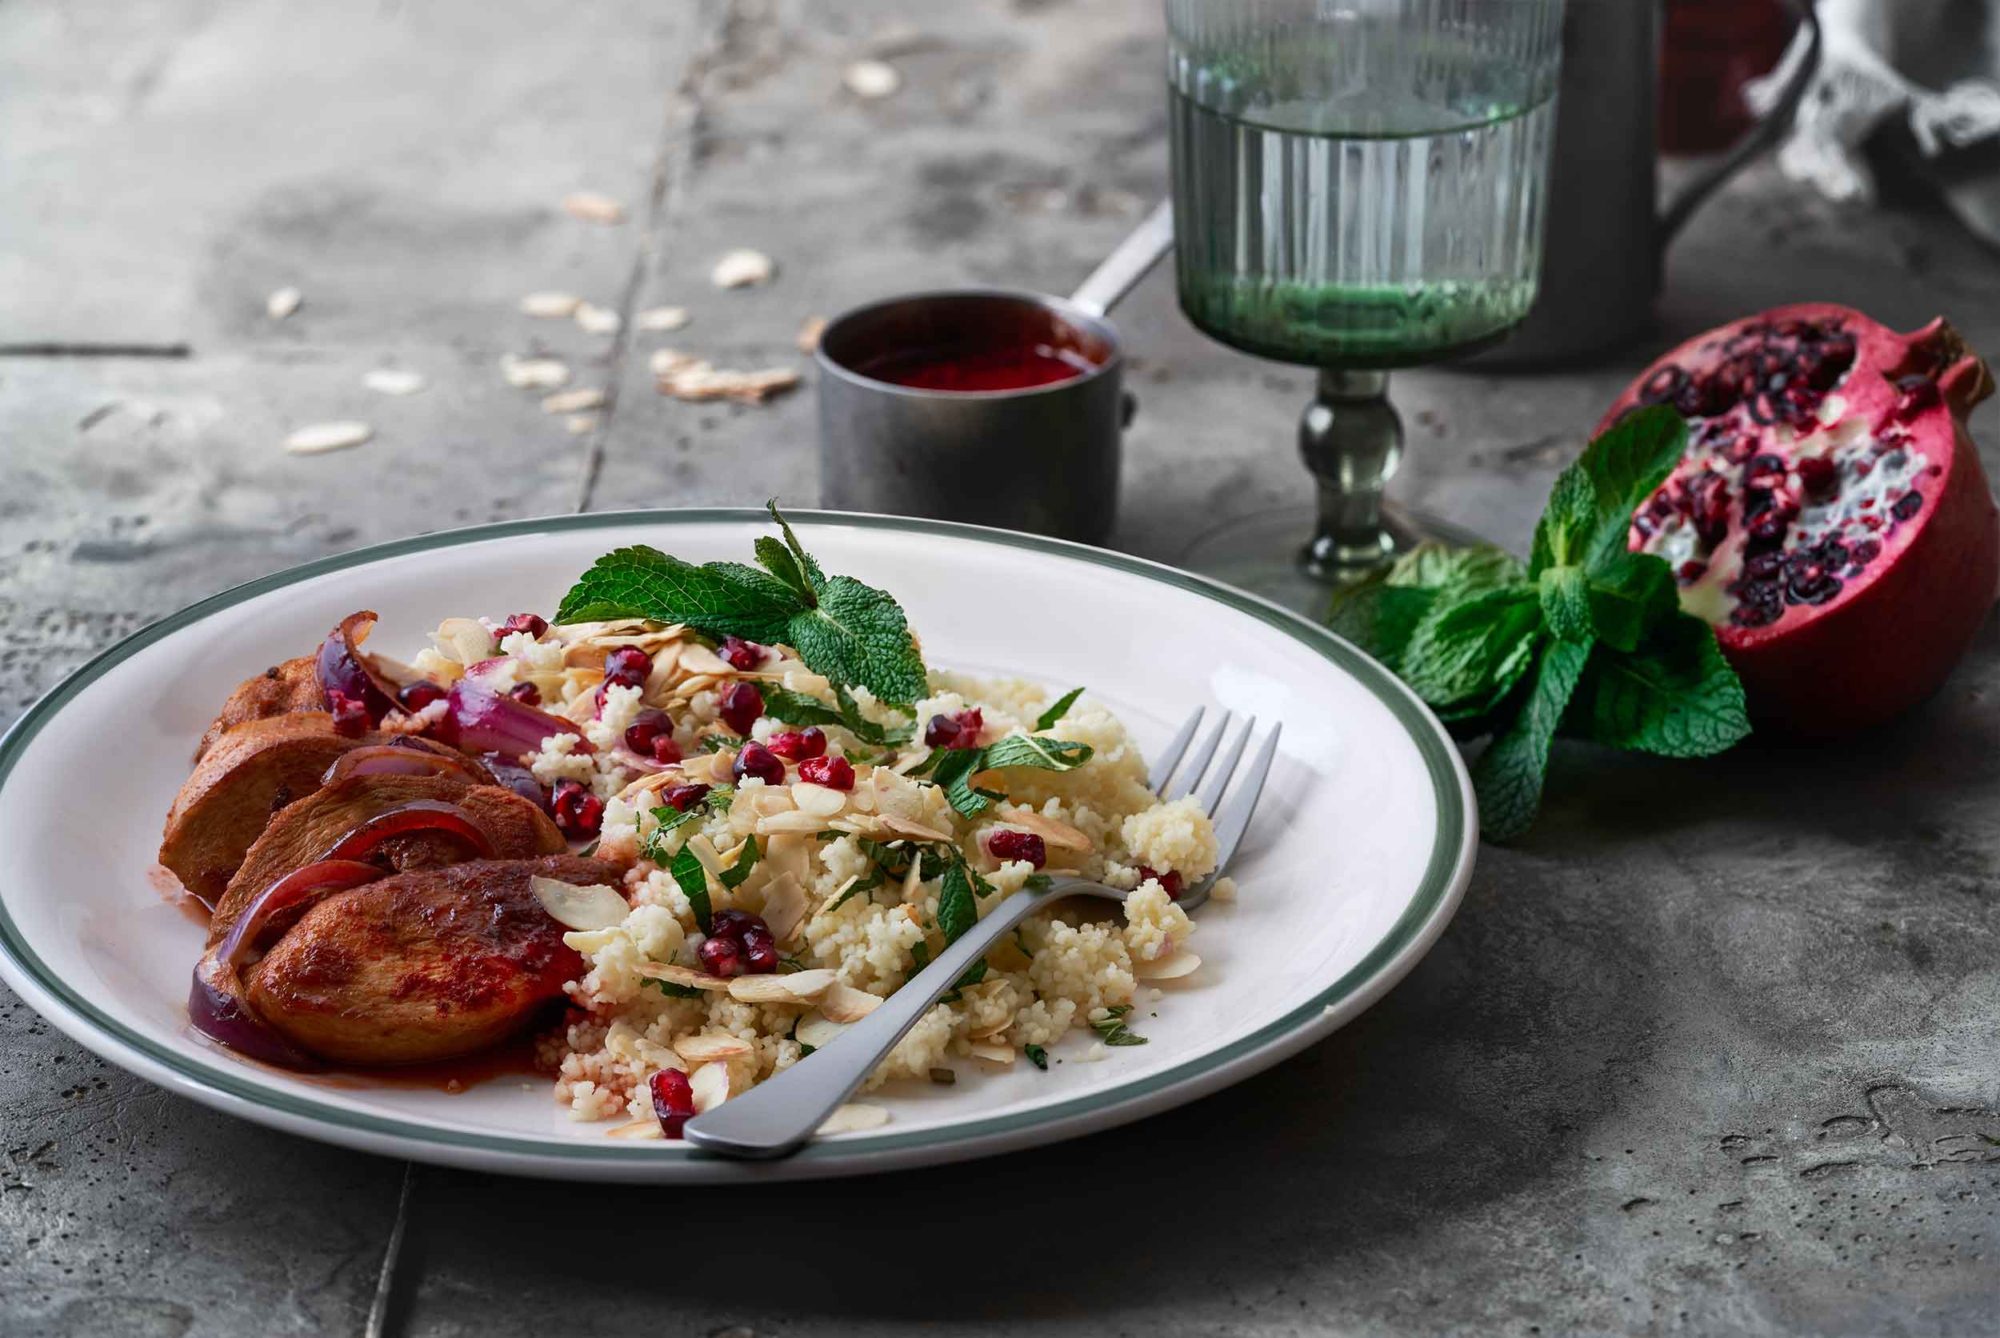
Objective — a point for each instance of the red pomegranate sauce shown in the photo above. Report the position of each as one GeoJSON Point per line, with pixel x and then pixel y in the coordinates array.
{"type": "Point", "coordinates": [970, 368]}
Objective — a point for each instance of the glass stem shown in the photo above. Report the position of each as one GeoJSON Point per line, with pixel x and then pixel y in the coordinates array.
{"type": "Point", "coordinates": [1352, 441]}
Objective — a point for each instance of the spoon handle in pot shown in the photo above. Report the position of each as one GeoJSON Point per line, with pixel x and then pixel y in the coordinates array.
{"type": "Point", "coordinates": [1129, 263]}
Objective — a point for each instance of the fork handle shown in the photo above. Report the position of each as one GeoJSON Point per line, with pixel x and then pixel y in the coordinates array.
{"type": "Point", "coordinates": [779, 1116]}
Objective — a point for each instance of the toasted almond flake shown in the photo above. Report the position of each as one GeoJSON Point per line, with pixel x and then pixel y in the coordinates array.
{"type": "Point", "coordinates": [741, 268]}
{"type": "Point", "coordinates": [991, 1052]}
{"type": "Point", "coordinates": [283, 303]}
{"type": "Point", "coordinates": [913, 882]}
{"type": "Point", "coordinates": [594, 907]}
{"type": "Point", "coordinates": [817, 1030]}
{"type": "Point", "coordinates": [818, 800]}
{"type": "Point", "coordinates": [597, 320]}
{"type": "Point", "coordinates": [705, 851]}
{"type": "Point", "coordinates": [592, 207]}
{"type": "Point", "coordinates": [783, 987]}
{"type": "Point", "coordinates": [710, 1046]}
{"type": "Point", "coordinates": [785, 904]}
{"type": "Point", "coordinates": [1053, 831]}
{"type": "Point", "coordinates": [464, 640]}
{"type": "Point", "coordinates": [681, 975]}
{"type": "Point", "coordinates": [661, 318]}
{"type": "Point", "coordinates": [711, 1086]}
{"type": "Point", "coordinates": [701, 383]}
{"type": "Point", "coordinates": [991, 1029]}
{"type": "Point", "coordinates": [699, 659]}
{"type": "Point", "coordinates": [667, 361]}
{"type": "Point", "coordinates": [323, 437]}
{"type": "Point", "coordinates": [393, 381]}
{"type": "Point", "coordinates": [579, 423]}
{"type": "Point", "coordinates": [912, 831]}
{"type": "Point", "coordinates": [551, 306]}
{"type": "Point", "coordinates": [765, 801]}
{"type": "Point", "coordinates": [789, 853]}
{"type": "Point", "coordinates": [637, 1129]}
{"type": "Point", "coordinates": [802, 823]}
{"type": "Point", "coordinates": [534, 373]}
{"type": "Point", "coordinates": [1170, 967]}
{"type": "Point", "coordinates": [854, 1118]}
{"type": "Point", "coordinates": [842, 1003]}
{"type": "Point", "coordinates": [870, 80]}
{"type": "Point", "coordinates": [809, 332]}
{"type": "Point", "coordinates": [571, 401]}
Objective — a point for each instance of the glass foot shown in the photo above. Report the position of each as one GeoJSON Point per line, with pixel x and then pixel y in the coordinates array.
{"type": "Point", "coordinates": [1264, 553]}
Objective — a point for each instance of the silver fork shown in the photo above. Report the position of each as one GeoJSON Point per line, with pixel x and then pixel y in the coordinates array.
{"type": "Point", "coordinates": [781, 1115]}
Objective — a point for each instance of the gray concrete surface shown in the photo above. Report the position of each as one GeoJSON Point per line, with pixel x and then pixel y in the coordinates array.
{"type": "Point", "coordinates": [1714, 1051]}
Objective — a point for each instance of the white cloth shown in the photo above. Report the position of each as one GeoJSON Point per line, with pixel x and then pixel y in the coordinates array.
{"type": "Point", "coordinates": [1871, 53]}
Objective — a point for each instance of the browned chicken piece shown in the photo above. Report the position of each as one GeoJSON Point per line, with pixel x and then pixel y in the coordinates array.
{"type": "Point", "coordinates": [280, 690]}
{"type": "Point", "coordinates": [421, 966]}
{"type": "Point", "coordinates": [250, 773]}
{"type": "Point", "coordinates": [306, 831]}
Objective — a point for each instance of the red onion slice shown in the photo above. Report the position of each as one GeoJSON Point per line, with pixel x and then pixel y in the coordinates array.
{"type": "Point", "coordinates": [389, 759]}
{"type": "Point", "coordinates": [418, 815]}
{"type": "Point", "coordinates": [478, 720]}
{"type": "Point", "coordinates": [346, 672]}
{"type": "Point", "coordinates": [217, 1010]}
{"type": "Point", "coordinates": [310, 882]}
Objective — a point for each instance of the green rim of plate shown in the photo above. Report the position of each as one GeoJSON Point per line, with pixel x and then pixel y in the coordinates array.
{"type": "Point", "coordinates": [1441, 874]}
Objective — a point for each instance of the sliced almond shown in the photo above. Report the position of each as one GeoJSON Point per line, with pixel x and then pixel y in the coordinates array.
{"type": "Point", "coordinates": [870, 80]}
{"type": "Point", "coordinates": [322, 437]}
{"type": "Point", "coordinates": [682, 975]}
{"type": "Point", "coordinates": [913, 880]}
{"type": "Point", "coordinates": [1171, 967]}
{"type": "Point", "coordinates": [573, 401]}
{"type": "Point", "coordinates": [699, 659]}
{"type": "Point", "coordinates": [583, 908]}
{"type": "Point", "coordinates": [993, 1052]}
{"type": "Point", "coordinates": [667, 361]}
{"type": "Point", "coordinates": [817, 1030]}
{"type": "Point", "coordinates": [465, 640]}
{"type": "Point", "coordinates": [283, 303]}
{"type": "Point", "coordinates": [910, 831]}
{"type": "Point", "coordinates": [785, 906]}
{"type": "Point", "coordinates": [661, 318]}
{"type": "Point", "coordinates": [766, 801]}
{"type": "Point", "coordinates": [991, 1029]}
{"type": "Point", "coordinates": [701, 383]}
{"type": "Point", "coordinates": [819, 801]}
{"type": "Point", "coordinates": [741, 268]}
{"type": "Point", "coordinates": [788, 854]}
{"type": "Point", "coordinates": [597, 320]}
{"type": "Point", "coordinates": [1053, 831]}
{"type": "Point", "coordinates": [711, 1086]}
{"type": "Point", "coordinates": [534, 373]}
{"type": "Point", "coordinates": [592, 207]}
{"type": "Point", "coordinates": [809, 332]}
{"type": "Point", "coordinates": [551, 306]}
{"type": "Point", "coordinates": [855, 1117]}
{"type": "Point", "coordinates": [705, 851]}
{"type": "Point", "coordinates": [393, 381]}
{"type": "Point", "coordinates": [783, 986]}
{"type": "Point", "coordinates": [577, 424]}
{"type": "Point", "coordinates": [711, 1046]}
{"type": "Point", "coordinates": [637, 1129]}
{"type": "Point", "coordinates": [842, 1003]}
{"type": "Point", "coordinates": [801, 823]}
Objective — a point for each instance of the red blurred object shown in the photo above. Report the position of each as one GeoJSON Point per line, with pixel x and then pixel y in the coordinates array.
{"type": "Point", "coordinates": [1710, 49]}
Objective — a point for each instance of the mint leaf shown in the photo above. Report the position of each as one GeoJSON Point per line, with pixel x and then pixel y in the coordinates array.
{"type": "Point", "coordinates": [1380, 612]}
{"type": "Point", "coordinates": [1590, 508]}
{"type": "Point", "coordinates": [952, 769]}
{"type": "Point", "coordinates": [778, 560]}
{"type": "Point", "coordinates": [693, 879]}
{"type": "Point", "coordinates": [1565, 600]}
{"type": "Point", "coordinates": [733, 876]}
{"type": "Point", "coordinates": [1037, 1055]}
{"type": "Point", "coordinates": [858, 635]}
{"type": "Point", "coordinates": [814, 576]}
{"type": "Point", "coordinates": [718, 597]}
{"type": "Point", "coordinates": [796, 708]}
{"type": "Point", "coordinates": [1431, 565]}
{"type": "Point", "coordinates": [1508, 775]}
{"type": "Point", "coordinates": [1048, 718]}
{"type": "Point", "coordinates": [1677, 697]}
{"type": "Point", "coordinates": [1112, 1029]}
{"type": "Point", "coordinates": [1472, 647]}
{"type": "Point", "coordinates": [1630, 595]}
{"type": "Point", "coordinates": [672, 990]}
{"type": "Point", "coordinates": [672, 819]}
{"type": "Point", "coordinates": [1569, 520]}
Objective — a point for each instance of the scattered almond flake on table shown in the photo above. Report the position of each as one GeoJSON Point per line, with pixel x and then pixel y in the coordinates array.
{"type": "Point", "coordinates": [551, 306]}
{"type": "Point", "coordinates": [572, 401]}
{"type": "Point", "coordinates": [322, 437]}
{"type": "Point", "coordinates": [580, 423]}
{"type": "Point", "coordinates": [667, 361]}
{"type": "Point", "coordinates": [699, 381]}
{"type": "Point", "coordinates": [283, 303]}
{"type": "Point", "coordinates": [809, 333]}
{"type": "Point", "coordinates": [661, 318]}
{"type": "Point", "coordinates": [597, 320]}
{"type": "Point", "coordinates": [534, 373]}
{"type": "Point", "coordinates": [742, 268]}
{"type": "Point", "coordinates": [592, 207]}
{"type": "Point", "coordinates": [394, 381]}
{"type": "Point", "coordinates": [871, 79]}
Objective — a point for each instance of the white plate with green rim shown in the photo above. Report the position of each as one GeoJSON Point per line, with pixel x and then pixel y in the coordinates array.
{"type": "Point", "coordinates": [1358, 856]}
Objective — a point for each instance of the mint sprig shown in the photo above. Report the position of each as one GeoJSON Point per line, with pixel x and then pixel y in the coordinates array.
{"type": "Point", "coordinates": [854, 634]}
{"type": "Point", "coordinates": [1586, 639]}
{"type": "Point", "coordinates": [952, 769]}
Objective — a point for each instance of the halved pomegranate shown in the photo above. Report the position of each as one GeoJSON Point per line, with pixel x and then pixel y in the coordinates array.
{"type": "Point", "coordinates": [1830, 518]}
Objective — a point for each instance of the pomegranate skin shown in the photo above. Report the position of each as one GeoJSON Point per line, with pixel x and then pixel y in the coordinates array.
{"type": "Point", "coordinates": [1895, 630]}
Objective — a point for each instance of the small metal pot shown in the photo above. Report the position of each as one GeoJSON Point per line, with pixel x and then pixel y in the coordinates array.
{"type": "Point", "coordinates": [1042, 458]}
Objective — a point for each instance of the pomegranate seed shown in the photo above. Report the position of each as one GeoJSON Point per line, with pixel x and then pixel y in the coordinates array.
{"type": "Point", "coordinates": [530, 623]}
{"type": "Point", "coordinates": [740, 654]}
{"type": "Point", "coordinates": [835, 773]}
{"type": "Point", "coordinates": [627, 666]}
{"type": "Point", "coordinates": [955, 731]}
{"type": "Point", "coordinates": [1008, 845]}
{"type": "Point", "coordinates": [940, 732]}
{"type": "Point", "coordinates": [350, 716]}
{"type": "Point", "coordinates": [416, 696]}
{"type": "Point", "coordinates": [578, 812]}
{"type": "Point", "coordinates": [721, 956]}
{"type": "Point", "coordinates": [1169, 881]}
{"type": "Point", "coordinates": [526, 693]}
{"type": "Point", "coordinates": [651, 734]}
{"type": "Point", "coordinates": [735, 924]}
{"type": "Point", "coordinates": [760, 956]}
{"type": "Point", "coordinates": [759, 761]}
{"type": "Point", "coordinates": [685, 797]}
{"type": "Point", "coordinates": [798, 745]}
{"type": "Point", "coordinates": [742, 705]}
{"type": "Point", "coordinates": [673, 1100]}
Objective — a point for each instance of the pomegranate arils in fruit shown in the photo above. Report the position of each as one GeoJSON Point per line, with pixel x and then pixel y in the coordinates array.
{"type": "Point", "coordinates": [673, 1100]}
{"type": "Point", "coordinates": [651, 734]}
{"type": "Point", "coordinates": [1830, 517]}
{"type": "Point", "coordinates": [741, 707]}
{"type": "Point", "coordinates": [578, 813]}
{"type": "Point", "coordinates": [721, 956]}
{"type": "Point", "coordinates": [685, 797]}
{"type": "Point", "coordinates": [533, 624]}
{"type": "Point", "coordinates": [758, 761]}
{"type": "Point", "coordinates": [1008, 845]}
{"type": "Point", "coordinates": [416, 696]}
{"type": "Point", "coordinates": [1170, 882]}
{"type": "Point", "coordinates": [798, 745]}
{"type": "Point", "coordinates": [526, 693]}
{"type": "Point", "coordinates": [835, 773]}
{"type": "Point", "coordinates": [740, 654]}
